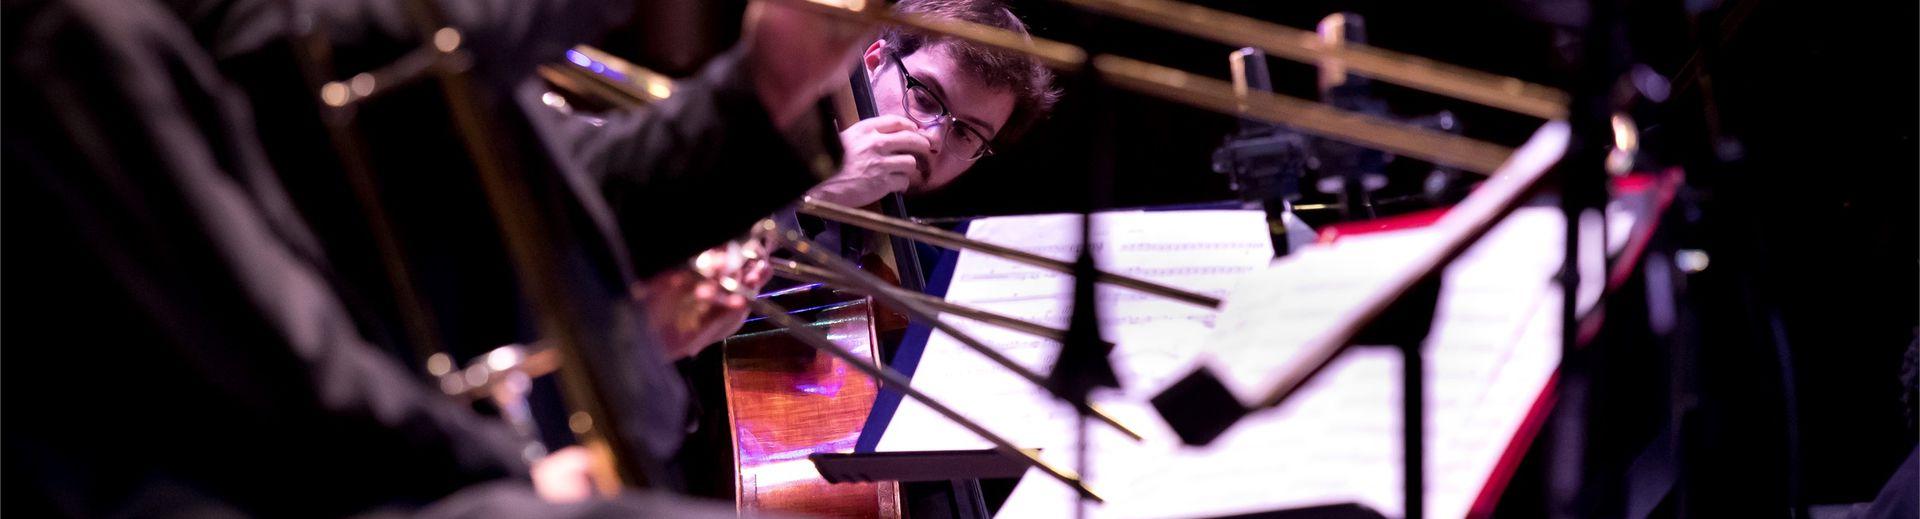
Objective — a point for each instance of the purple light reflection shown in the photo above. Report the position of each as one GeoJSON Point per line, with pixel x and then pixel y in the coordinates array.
{"type": "Point", "coordinates": [578, 58]}
{"type": "Point", "coordinates": [839, 380]}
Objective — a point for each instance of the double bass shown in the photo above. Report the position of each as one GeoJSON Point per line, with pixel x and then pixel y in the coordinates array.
{"type": "Point", "coordinates": [785, 401]}
{"type": "Point", "coordinates": [768, 400]}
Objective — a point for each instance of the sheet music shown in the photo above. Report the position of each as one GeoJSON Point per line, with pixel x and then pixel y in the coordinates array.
{"type": "Point", "coordinates": [1494, 346]}
{"type": "Point", "coordinates": [1278, 324]}
{"type": "Point", "coordinates": [1203, 251]}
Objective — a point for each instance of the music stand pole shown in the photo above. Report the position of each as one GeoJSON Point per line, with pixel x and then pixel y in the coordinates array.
{"type": "Point", "coordinates": [1583, 177]}
{"type": "Point", "coordinates": [1405, 327]}
{"type": "Point", "coordinates": [1084, 363]}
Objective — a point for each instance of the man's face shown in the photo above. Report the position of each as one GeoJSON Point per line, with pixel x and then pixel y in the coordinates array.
{"type": "Point", "coordinates": [972, 102]}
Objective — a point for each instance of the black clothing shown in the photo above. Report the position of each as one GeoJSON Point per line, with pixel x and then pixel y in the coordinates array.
{"type": "Point", "coordinates": [605, 186]}
{"type": "Point", "coordinates": [180, 344]}
{"type": "Point", "coordinates": [169, 336]}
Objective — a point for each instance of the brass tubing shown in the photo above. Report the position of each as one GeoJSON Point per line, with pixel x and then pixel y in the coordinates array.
{"type": "Point", "coordinates": [942, 238]}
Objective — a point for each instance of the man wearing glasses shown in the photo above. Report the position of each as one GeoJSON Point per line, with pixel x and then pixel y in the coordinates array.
{"type": "Point", "coordinates": [943, 104]}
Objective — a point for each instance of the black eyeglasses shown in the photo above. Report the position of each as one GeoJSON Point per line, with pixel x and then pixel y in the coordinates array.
{"type": "Point", "coordinates": [928, 109]}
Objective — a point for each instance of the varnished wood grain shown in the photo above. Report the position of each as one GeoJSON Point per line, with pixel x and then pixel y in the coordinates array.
{"type": "Point", "coordinates": [786, 401]}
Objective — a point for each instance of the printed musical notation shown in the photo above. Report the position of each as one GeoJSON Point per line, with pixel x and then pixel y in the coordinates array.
{"type": "Point", "coordinates": [1492, 350]}
{"type": "Point", "coordinates": [1494, 345]}
{"type": "Point", "coordinates": [1202, 251]}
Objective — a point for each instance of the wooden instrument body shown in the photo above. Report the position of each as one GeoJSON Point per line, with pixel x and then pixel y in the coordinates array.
{"type": "Point", "coordinates": [787, 401]}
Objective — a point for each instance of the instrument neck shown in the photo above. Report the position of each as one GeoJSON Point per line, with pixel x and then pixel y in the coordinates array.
{"type": "Point", "coordinates": [906, 259]}
{"type": "Point", "coordinates": [862, 87]}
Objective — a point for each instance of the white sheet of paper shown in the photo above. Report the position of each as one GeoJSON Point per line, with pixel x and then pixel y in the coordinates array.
{"type": "Point", "coordinates": [1494, 346]}
{"type": "Point", "coordinates": [1202, 251]}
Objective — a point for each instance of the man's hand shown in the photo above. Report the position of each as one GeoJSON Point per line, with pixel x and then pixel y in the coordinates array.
{"type": "Point", "coordinates": [564, 476]}
{"type": "Point", "coordinates": [795, 56]}
{"type": "Point", "coordinates": [690, 310]}
{"type": "Point", "coordinates": [885, 154]}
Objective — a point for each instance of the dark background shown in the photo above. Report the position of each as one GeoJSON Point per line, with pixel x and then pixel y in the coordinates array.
{"type": "Point", "coordinates": [1802, 190]}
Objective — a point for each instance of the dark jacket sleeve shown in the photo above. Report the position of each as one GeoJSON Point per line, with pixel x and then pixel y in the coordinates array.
{"type": "Point", "coordinates": [681, 176]}
{"type": "Point", "coordinates": [508, 37]}
{"type": "Point", "coordinates": [697, 168]}
{"type": "Point", "coordinates": [181, 332]}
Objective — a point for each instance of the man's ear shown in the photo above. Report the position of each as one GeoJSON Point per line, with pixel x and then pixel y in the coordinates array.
{"type": "Point", "coordinates": [874, 57]}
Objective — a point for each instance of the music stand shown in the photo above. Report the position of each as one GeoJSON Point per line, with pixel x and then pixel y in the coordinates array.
{"type": "Point", "coordinates": [962, 471]}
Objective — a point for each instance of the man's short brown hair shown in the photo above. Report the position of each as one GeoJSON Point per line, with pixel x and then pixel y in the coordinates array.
{"type": "Point", "coordinates": [1030, 81]}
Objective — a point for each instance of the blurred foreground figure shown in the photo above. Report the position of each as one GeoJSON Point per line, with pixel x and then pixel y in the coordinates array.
{"type": "Point", "coordinates": [197, 319]}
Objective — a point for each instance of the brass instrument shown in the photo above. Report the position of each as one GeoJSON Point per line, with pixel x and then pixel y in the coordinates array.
{"type": "Point", "coordinates": [1221, 96]}
{"type": "Point", "coordinates": [934, 236]}
{"type": "Point", "coordinates": [1286, 42]}
{"type": "Point", "coordinates": [442, 58]}
{"type": "Point", "coordinates": [805, 273]}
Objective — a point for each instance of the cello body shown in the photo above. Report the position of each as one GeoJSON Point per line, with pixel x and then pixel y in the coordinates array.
{"type": "Point", "coordinates": [787, 401]}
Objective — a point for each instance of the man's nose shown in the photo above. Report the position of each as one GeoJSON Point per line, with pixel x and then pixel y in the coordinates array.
{"type": "Point", "coordinates": [936, 136]}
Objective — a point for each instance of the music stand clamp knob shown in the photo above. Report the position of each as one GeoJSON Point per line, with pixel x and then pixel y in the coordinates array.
{"type": "Point", "coordinates": [1199, 408]}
